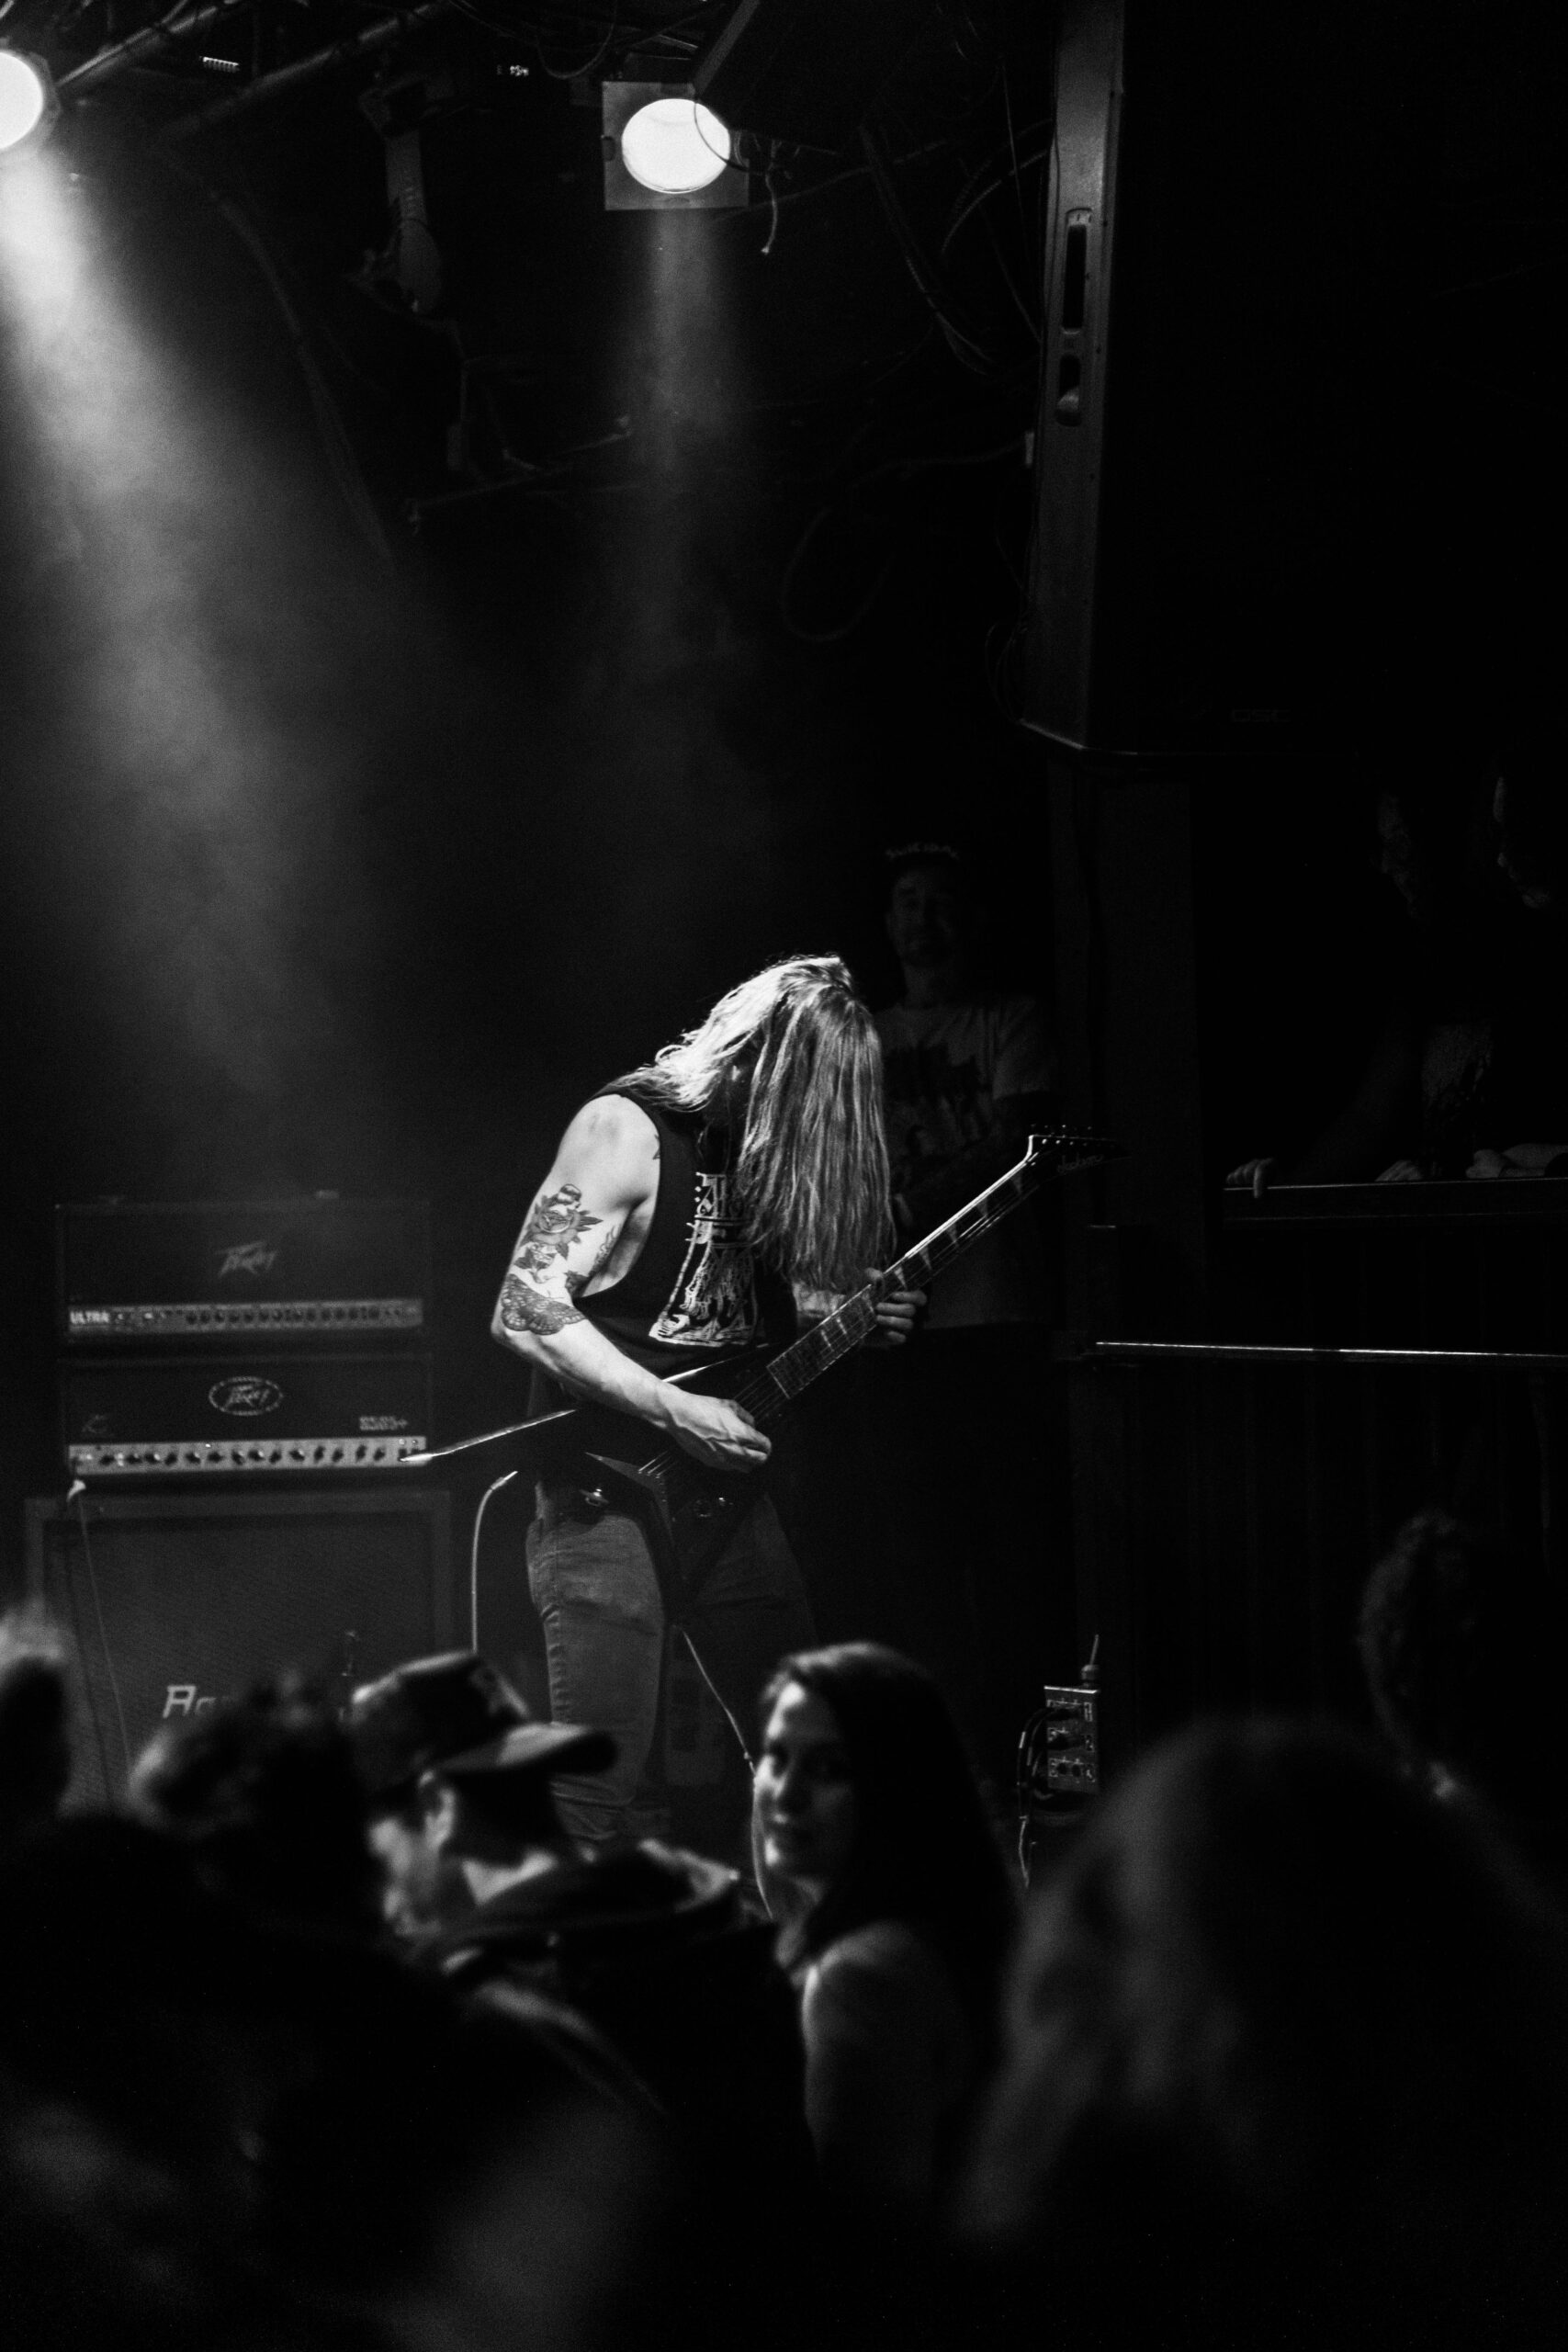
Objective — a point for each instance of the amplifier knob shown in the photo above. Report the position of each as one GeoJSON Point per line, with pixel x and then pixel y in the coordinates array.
{"type": "Point", "coordinates": [193, 1457]}
{"type": "Point", "coordinates": [297, 1453]}
{"type": "Point", "coordinates": [276, 1455]}
{"type": "Point", "coordinates": [337, 1453]}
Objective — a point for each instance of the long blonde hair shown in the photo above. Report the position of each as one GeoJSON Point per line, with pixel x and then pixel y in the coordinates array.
{"type": "Point", "coordinates": [812, 1168]}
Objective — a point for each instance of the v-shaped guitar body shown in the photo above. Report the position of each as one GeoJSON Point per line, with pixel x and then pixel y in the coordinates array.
{"type": "Point", "coordinates": [688, 1513]}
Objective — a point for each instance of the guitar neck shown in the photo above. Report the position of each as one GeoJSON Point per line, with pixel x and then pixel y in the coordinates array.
{"type": "Point", "coordinates": [817, 1351]}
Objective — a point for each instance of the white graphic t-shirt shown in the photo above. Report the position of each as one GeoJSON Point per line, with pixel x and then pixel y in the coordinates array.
{"type": "Point", "coordinates": [947, 1068]}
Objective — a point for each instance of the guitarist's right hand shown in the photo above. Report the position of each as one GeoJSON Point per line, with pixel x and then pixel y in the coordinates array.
{"type": "Point", "coordinates": [715, 1433]}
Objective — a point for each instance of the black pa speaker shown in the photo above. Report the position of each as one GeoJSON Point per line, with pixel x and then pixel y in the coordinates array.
{"type": "Point", "coordinates": [174, 1600]}
{"type": "Point", "coordinates": [1197, 543]}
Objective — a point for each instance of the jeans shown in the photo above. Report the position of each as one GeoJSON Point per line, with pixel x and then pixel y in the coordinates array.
{"type": "Point", "coordinates": [593, 1581]}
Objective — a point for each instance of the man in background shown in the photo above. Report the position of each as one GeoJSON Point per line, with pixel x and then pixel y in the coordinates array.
{"type": "Point", "coordinates": [966, 1433]}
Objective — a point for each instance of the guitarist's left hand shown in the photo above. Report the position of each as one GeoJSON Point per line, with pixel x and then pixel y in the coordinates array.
{"type": "Point", "coordinates": [896, 1316]}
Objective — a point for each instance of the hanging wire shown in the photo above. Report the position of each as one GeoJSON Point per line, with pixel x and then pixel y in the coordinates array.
{"type": "Point", "coordinates": [484, 1503]}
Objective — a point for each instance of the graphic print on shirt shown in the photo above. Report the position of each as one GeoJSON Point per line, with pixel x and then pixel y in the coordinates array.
{"type": "Point", "coordinates": [936, 1106]}
{"type": "Point", "coordinates": [713, 1303]}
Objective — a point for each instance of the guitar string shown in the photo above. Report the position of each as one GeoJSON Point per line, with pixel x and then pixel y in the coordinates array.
{"type": "Point", "coordinates": [765, 1396]}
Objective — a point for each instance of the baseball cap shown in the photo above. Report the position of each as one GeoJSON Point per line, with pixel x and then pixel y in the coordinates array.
{"type": "Point", "coordinates": [455, 1714]}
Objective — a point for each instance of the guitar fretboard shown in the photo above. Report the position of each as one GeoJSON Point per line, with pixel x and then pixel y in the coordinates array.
{"type": "Point", "coordinates": [826, 1343]}
{"type": "Point", "coordinates": [768, 1395]}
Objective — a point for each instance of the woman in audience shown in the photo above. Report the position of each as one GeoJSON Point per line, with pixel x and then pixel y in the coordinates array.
{"type": "Point", "coordinates": [874, 1853]}
{"type": "Point", "coordinates": [1288, 2066]}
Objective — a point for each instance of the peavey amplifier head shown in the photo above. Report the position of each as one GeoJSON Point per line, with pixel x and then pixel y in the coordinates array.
{"type": "Point", "coordinates": [247, 1416]}
{"type": "Point", "coordinates": [315, 1271]}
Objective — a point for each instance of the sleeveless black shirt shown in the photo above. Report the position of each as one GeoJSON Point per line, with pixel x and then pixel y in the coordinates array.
{"type": "Point", "coordinates": [697, 1293]}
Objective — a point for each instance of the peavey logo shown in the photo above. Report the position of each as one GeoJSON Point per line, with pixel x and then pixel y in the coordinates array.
{"type": "Point", "coordinates": [247, 1257]}
{"type": "Point", "coordinates": [244, 1395]}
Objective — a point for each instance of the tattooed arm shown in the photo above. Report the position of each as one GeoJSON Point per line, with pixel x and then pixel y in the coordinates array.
{"type": "Point", "coordinates": [588, 1219]}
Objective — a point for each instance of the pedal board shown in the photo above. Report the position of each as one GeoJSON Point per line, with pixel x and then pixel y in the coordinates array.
{"type": "Point", "coordinates": [1058, 1763]}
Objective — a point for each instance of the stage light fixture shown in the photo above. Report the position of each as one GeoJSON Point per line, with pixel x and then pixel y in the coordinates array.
{"type": "Point", "coordinates": [663, 153]}
{"type": "Point", "coordinates": [28, 106]}
{"type": "Point", "coordinates": [674, 146]}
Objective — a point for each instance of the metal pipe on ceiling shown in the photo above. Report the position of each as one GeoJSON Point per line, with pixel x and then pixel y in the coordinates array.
{"type": "Point", "coordinates": [136, 49]}
{"type": "Point", "coordinates": [278, 84]}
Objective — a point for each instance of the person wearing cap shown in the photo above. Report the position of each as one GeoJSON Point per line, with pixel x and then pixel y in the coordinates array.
{"type": "Point", "coordinates": [414, 1726]}
{"type": "Point", "coordinates": [651, 1945]}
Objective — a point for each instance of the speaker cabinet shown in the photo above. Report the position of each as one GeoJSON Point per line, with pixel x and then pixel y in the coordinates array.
{"type": "Point", "coordinates": [176, 1600]}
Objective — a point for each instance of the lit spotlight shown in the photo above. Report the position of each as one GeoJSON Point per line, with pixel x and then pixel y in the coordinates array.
{"type": "Point", "coordinates": [663, 153]}
{"type": "Point", "coordinates": [28, 106]}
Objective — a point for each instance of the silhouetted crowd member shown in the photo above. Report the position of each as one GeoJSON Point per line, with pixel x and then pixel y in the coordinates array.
{"type": "Point", "coordinates": [1416, 1110]}
{"type": "Point", "coordinates": [35, 1721]}
{"type": "Point", "coordinates": [220, 2133]}
{"type": "Point", "coordinates": [1287, 2065]}
{"type": "Point", "coordinates": [265, 1792]}
{"type": "Point", "coordinates": [1462, 1642]}
{"type": "Point", "coordinates": [648, 1944]}
{"type": "Point", "coordinates": [1466, 1075]}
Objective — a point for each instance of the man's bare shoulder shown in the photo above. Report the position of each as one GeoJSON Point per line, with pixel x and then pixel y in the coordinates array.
{"type": "Point", "coordinates": [612, 1122]}
{"type": "Point", "coordinates": [612, 1142]}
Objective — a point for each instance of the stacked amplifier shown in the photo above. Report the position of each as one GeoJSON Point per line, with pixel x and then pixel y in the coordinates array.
{"type": "Point", "coordinates": [242, 1339]}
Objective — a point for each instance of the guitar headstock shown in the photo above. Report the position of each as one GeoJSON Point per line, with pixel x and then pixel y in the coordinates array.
{"type": "Point", "coordinates": [1065, 1152]}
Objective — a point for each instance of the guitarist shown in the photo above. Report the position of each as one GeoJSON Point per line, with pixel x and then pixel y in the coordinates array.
{"type": "Point", "coordinates": [689, 1207]}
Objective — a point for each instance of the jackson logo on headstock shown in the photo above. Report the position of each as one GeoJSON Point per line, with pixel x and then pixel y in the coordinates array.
{"type": "Point", "coordinates": [244, 1395]}
{"type": "Point", "coordinates": [246, 1258]}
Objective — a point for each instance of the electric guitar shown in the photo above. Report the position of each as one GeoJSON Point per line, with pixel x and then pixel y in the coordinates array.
{"type": "Point", "coordinates": [689, 1512]}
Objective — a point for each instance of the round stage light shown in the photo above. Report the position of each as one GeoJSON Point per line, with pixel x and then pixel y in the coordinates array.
{"type": "Point", "coordinates": [673, 146]}
{"type": "Point", "coordinates": [26, 100]}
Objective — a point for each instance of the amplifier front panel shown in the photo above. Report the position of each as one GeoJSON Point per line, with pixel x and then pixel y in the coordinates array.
{"type": "Point", "coordinates": [302, 1272]}
{"type": "Point", "coordinates": [234, 1414]}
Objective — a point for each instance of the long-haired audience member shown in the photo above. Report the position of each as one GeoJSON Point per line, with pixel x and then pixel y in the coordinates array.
{"type": "Point", "coordinates": [264, 1791]}
{"type": "Point", "coordinates": [35, 1721]}
{"type": "Point", "coordinates": [1287, 2065]}
{"type": "Point", "coordinates": [874, 1852]}
{"type": "Point", "coordinates": [1461, 1643]}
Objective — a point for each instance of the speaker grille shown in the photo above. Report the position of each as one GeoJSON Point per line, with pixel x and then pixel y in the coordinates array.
{"type": "Point", "coordinates": [175, 1600]}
